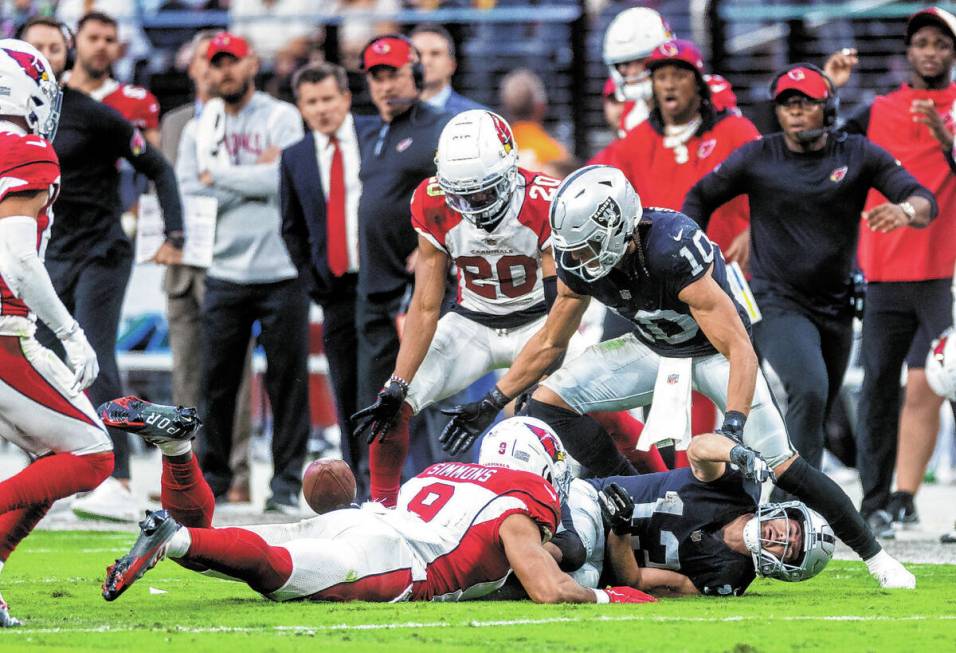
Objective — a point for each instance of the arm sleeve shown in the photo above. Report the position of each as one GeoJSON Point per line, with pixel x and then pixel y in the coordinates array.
{"type": "Point", "coordinates": [262, 180]}
{"type": "Point", "coordinates": [725, 182]}
{"type": "Point", "coordinates": [23, 271]}
{"type": "Point", "coordinates": [859, 122]}
{"type": "Point", "coordinates": [893, 180]}
{"type": "Point", "coordinates": [128, 143]}
{"type": "Point", "coordinates": [187, 172]}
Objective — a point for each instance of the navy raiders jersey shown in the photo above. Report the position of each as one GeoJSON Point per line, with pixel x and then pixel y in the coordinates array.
{"type": "Point", "coordinates": [674, 253]}
{"type": "Point", "coordinates": [677, 521]}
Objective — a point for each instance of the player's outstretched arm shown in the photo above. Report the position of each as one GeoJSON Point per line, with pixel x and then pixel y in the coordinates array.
{"type": "Point", "coordinates": [709, 453]}
{"type": "Point", "coordinates": [717, 317]}
{"type": "Point", "coordinates": [431, 269]}
{"type": "Point", "coordinates": [545, 346]}
{"type": "Point", "coordinates": [431, 265]}
{"type": "Point", "coordinates": [660, 582]}
{"type": "Point", "coordinates": [468, 421]}
{"type": "Point", "coordinates": [539, 573]}
{"type": "Point", "coordinates": [27, 278]}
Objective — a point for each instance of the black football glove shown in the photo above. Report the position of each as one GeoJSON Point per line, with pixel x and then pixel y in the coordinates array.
{"type": "Point", "coordinates": [751, 465]}
{"type": "Point", "coordinates": [468, 421]}
{"type": "Point", "coordinates": [617, 508]}
{"type": "Point", "coordinates": [380, 416]}
{"type": "Point", "coordinates": [733, 426]}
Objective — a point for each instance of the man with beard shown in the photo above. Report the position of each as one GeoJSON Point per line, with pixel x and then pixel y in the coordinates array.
{"type": "Point", "coordinates": [97, 47]}
{"type": "Point", "coordinates": [909, 273]}
{"type": "Point", "coordinates": [231, 153]}
{"type": "Point", "coordinates": [89, 258]}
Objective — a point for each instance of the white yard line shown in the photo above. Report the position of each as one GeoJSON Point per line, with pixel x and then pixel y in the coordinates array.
{"type": "Point", "coordinates": [299, 630]}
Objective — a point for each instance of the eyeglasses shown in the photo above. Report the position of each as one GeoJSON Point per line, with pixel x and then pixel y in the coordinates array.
{"type": "Point", "coordinates": [801, 102]}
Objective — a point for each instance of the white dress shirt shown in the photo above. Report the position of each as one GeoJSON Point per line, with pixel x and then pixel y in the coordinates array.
{"type": "Point", "coordinates": [348, 143]}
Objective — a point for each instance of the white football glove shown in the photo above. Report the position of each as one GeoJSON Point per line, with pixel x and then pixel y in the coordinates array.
{"type": "Point", "coordinates": [81, 358]}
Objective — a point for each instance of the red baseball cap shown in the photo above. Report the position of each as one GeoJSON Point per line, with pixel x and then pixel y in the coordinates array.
{"type": "Point", "coordinates": [677, 50]}
{"type": "Point", "coordinates": [388, 51]}
{"type": "Point", "coordinates": [226, 43]}
{"type": "Point", "coordinates": [932, 16]}
{"type": "Point", "coordinates": [802, 80]}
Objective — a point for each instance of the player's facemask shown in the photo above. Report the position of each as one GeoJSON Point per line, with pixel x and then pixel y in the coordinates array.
{"type": "Point", "coordinates": [802, 536]}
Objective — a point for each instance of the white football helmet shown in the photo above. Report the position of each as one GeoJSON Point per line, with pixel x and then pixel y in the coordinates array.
{"type": "Point", "coordinates": [816, 539]}
{"type": "Point", "coordinates": [529, 445]}
{"type": "Point", "coordinates": [477, 164]}
{"type": "Point", "coordinates": [593, 216]}
{"type": "Point", "coordinates": [941, 365]}
{"type": "Point", "coordinates": [28, 87]}
{"type": "Point", "coordinates": [631, 36]}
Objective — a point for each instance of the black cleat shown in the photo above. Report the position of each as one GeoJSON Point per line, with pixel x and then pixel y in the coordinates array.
{"type": "Point", "coordinates": [150, 547]}
{"type": "Point", "coordinates": [881, 524]}
{"type": "Point", "coordinates": [154, 423]}
{"type": "Point", "coordinates": [902, 509]}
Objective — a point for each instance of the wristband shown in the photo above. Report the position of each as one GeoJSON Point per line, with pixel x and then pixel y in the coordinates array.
{"type": "Point", "coordinates": [909, 210]}
{"type": "Point", "coordinates": [600, 596]}
{"type": "Point", "coordinates": [400, 382]}
{"type": "Point", "coordinates": [497, 397]}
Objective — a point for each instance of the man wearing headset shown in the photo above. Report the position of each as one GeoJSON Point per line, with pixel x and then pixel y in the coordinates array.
{"type": "Point", "coordinates": [807, 187]}
{"type": "Point", "coordinates": [397, 152]}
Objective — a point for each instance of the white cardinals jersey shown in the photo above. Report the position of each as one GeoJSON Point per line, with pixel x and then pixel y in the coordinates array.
{"type": "Point", "coordinates": [499, 272]}
{"type": "Point", "coordinates": [27, 163]}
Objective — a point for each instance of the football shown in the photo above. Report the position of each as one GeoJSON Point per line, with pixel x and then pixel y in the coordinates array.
{"type": "Point", "coordinates": [328, 484]}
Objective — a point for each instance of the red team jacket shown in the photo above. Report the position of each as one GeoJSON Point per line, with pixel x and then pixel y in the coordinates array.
{"type": "Point", "coordinates": [662, 181]}
{"type": "Point", "coordinates": [912, 254]}
{"type": "Point", "coordinates": [27, 163]}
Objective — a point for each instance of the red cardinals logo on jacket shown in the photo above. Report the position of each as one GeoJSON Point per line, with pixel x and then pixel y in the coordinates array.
{"type": "Point", "coordinates": [837, 175]}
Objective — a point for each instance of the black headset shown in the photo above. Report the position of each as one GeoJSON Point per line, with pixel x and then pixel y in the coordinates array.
{"type": "Point", "coordinates": [832, 104]}
{"type": "Point", "coordinates": [69, 39]}
{"type": "Point", "coordinates": [418, 73]}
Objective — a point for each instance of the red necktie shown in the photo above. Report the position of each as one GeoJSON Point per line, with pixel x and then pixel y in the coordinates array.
{"type": "Point", "coordinates": [336, 248]}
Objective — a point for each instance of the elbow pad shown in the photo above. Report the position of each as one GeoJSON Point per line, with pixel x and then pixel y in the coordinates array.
{"type": "Point", "coordinates": [550, 290]}
{"type": "Point", "coordinates": [573, 553]}
{"type": "Point", "coordinates": [27, 278]}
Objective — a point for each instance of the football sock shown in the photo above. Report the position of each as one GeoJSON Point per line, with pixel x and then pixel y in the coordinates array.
{"type": "Point", "coordinates": [387, 458]}
{"type": "Point", "coordinates": [178, 546]}
{"type": "Point", "coordinates": [175, 447]}
{"type": "Point", "coordinates": [185, 493]}
{"type": "Point", "coordinates": [584, 439]}
{"type": "Point", "coordinates": [17, 524]}
{"type": "Point", "coordinates": [818, 491]}
{"type": "Point", "coordinates": [625, 430]}
{"type": "Point", "coordinates": [241, 554]}
{"type": "Point", "coordinates": [53, 477]}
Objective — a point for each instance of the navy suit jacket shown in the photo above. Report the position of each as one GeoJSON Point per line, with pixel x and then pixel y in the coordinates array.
{"type": "Point", "coordinates": [457, 103]}
{"type": "Point", "coordinates": [302, 203]}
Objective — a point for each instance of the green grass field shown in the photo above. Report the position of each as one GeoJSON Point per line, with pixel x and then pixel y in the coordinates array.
{"type": "Point", "coordinates": [53, 583]}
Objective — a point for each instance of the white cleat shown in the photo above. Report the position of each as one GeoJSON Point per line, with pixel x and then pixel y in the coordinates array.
{"type": "Point", "coordinates": [6, 620]}
{"type": "Point", "coordinates": [890, 573]}
{"type": "Point", "coordinates": [110, 501]}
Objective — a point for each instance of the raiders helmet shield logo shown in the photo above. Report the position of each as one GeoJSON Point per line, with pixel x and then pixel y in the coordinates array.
{"type": "Point", "coordinates": [837, 175]}
{"type": "Point", "coordinates": [608, 214]}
